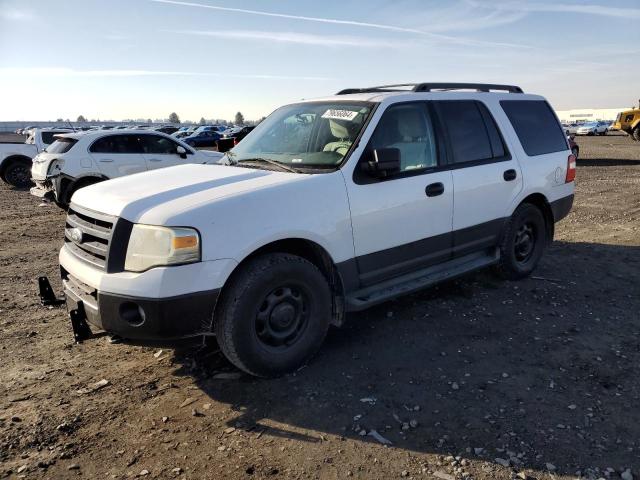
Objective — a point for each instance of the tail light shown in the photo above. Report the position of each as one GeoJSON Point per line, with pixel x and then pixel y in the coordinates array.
{"type": "Point", "coordinates": [571, 169]}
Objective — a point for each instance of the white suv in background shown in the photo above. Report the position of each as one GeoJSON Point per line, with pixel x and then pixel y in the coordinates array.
{"type": "Point", "coordinates": [328, 206]}
{"type": "Point", "coordinates": [76, 160]}
{"type": "Point", "coordinates": [16, 157]}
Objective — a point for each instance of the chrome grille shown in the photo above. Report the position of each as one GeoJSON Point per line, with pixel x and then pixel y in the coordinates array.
{"type": "Point", "coordinates": [95, 230]}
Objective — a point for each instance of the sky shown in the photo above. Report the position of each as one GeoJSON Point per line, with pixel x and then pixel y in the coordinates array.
{"type": "Point", "coordinates": [119, 59]}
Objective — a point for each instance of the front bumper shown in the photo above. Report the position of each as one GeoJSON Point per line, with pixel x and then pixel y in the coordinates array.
{"type": "Point", "coordinates": [139, 319]}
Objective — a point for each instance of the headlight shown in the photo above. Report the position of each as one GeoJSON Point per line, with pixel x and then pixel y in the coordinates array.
{"type": "Point", "coordinates": [152, 246]}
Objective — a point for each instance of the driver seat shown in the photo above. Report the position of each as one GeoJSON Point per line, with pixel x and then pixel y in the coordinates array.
{"type": "Point", "coordinates": [340, 131]}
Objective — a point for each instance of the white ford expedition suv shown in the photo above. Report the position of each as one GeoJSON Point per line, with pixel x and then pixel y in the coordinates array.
{"type": "Point", "coordinates": [328, 206]}
{"type": "Point", "coordinates": [76, 160]}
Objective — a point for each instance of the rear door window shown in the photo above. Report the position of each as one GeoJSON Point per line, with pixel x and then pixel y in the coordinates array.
{"type": "Point", "coordinates": [473, 135]}
{"type": "Point", "coordinates": [119, 144]}
{"type": "Point", "coordinates": [536, 126]}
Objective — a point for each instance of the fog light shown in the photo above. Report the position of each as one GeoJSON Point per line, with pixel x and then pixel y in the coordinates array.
{"type": "Point", "coordinates": [132, 313]}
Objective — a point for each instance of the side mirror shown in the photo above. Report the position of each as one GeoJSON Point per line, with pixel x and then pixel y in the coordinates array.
{"type": "Point", "coordinates": [385, 162]}
{"type": "Point", "coordinates": [181, 151]}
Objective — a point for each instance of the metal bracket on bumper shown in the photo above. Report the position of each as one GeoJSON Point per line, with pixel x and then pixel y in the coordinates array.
{"type": "Point", "coordinates": [47, 295]}
{"type": "Point", "coordinates": [81, 330]}
{"type": "Point", "coordinates": [78, 317]}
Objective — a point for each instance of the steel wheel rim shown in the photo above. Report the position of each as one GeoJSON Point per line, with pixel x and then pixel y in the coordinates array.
{"type": "Point", "coordinates": [525, 242]}
{"type": "Point", "coordinates": [282, 317]}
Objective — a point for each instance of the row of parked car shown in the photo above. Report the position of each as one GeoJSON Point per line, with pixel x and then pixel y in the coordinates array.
{"type": "Point", "coordinates": [167, 144]}
{"type": "Point", "coordinates": [588, 128]}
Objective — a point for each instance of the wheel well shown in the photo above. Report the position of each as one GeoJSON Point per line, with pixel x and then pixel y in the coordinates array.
{"type": "Point", "coordinates": [7, 161]}
{"type": "Point", "coordinates": [541, 202]}
{"type": "Point", "coordinates": [315, 254]}
{"type": "Point", "coordinates": [69, 186]}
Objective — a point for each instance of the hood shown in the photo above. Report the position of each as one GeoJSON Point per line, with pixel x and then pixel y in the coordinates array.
{"type": "Point", "coordinates": [211, 156]}
{"type": "Point", "coordinates": [161, 194]}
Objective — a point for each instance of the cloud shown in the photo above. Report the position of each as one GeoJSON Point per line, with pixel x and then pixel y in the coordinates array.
{"type": "Point", "coordinates": [69, 72]}
{"type": "Point", "coordinates": [15, 15]}
{"type": "Point", "coordinates": [379, 26]}
{"type": "Point", "coordinates": [582, 8]}
{"type": "Point", "coordinates": [299, 38]}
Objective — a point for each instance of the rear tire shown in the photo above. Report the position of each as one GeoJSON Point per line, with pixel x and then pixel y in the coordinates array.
{"type": "Point", "coordinates": [18, 174]}
{"type": "Point", "coordinates": [522, 243]}
{"type": "Point", "coordinates": [274, 314]}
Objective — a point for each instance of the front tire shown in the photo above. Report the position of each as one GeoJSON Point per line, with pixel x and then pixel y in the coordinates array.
{"type": "Point", "coordinates": [274, 314]}
{"type": "Point", "coordinates": [635, 135]}
{"type": "Point", "coordinates": [522, 243]}
{"type": "Point", "coordinates": [18, 174]}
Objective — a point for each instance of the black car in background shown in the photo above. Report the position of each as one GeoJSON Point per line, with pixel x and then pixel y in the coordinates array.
{"type": "Point", "coordinates": [238, 133]}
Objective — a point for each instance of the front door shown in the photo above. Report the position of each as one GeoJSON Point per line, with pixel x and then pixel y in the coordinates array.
{"type": "Point", "coordinates": [159, 151]}
{"type": "Point", "coordinates": [403, 222]}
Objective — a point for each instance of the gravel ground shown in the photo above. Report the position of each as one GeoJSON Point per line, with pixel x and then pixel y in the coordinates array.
{"type": "Point", "coordinates": [477, 378]}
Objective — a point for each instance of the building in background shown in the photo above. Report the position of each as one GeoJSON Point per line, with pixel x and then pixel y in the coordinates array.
{"type": "Point", "coordinates": [581, 115]}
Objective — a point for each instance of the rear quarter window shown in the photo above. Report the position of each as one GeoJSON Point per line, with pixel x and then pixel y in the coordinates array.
{"type": "Point", "coordinates": [536, 126]}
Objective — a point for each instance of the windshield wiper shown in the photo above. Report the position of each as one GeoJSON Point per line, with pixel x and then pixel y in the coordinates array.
{"type": "Point", "coordinates": [282, 165]}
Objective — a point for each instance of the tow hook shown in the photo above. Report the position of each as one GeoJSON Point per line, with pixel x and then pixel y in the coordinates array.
{"type": "Point", "coordinates": [78, 317]}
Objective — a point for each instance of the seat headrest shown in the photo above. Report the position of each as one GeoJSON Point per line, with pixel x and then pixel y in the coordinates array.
{"type": "Point", "coordinates": [339, 129]}
{"type": "Point", "coordinates": [411, 124]}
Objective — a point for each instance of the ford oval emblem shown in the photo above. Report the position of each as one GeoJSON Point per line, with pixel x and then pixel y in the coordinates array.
{"type": "Point", "coordinates": [76, 235]}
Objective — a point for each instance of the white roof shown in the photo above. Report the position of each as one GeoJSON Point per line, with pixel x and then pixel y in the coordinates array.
{"type": "Point", "coordinates": [103, 133]}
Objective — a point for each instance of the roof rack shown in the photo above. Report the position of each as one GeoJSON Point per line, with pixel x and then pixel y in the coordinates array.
{"type": "Point", "coordinates": [430, 87]}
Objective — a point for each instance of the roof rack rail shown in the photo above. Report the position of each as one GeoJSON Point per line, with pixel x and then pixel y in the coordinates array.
{"type": "Point", "coordinates": [429, 87]}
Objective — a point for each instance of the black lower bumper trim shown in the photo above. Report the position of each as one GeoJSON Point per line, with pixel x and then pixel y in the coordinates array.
{"type": "Point", "coordinates": [561, 207]}
{"type": "Point", "coordinates": [150, 320]}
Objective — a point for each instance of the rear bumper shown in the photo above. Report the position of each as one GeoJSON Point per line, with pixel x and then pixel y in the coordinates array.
{"type": "Point", "coordinates": [145, 320]}
{"type": "Point", "coordinates": [561, 207]}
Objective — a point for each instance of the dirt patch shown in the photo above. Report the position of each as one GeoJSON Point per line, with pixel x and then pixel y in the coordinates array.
{"type": "Point", "coordinates": [477, 378]}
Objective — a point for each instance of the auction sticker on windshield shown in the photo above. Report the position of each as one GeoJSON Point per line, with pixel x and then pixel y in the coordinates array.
{"type": "Point", "coordinates": [340, 114]}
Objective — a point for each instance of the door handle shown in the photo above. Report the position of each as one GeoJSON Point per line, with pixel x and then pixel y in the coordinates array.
{"type": "Point", "coordinates": [509, 175]}
{"type": "Point", "coordinates": [155, 160]}
{"type": "Point", "coordinates": [106, 160]}
{"type": "Point", "coordinates": [434, 189]}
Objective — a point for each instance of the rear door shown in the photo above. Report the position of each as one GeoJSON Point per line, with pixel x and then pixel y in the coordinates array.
{"type": "Point", "coordinates": [486, 177]}
{"type": "Point", "coordinates": [402, 223]}
{"type": "Point", "coordinates": [118, 155]}
{"type": "Point", "coordinates": [160, 152]}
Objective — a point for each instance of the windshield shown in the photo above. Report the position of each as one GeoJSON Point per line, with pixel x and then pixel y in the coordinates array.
{"type": "Point", "coordinates": [306, 134]}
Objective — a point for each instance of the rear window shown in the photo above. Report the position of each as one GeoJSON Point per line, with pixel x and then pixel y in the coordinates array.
{"type": "Point", "coordinates": [61, 145]}
{"type": "Point", "coordinates": [536, 126]}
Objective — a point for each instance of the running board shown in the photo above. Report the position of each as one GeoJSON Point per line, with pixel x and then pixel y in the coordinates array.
{"type": "Point", "coordinates": [415, 281]}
